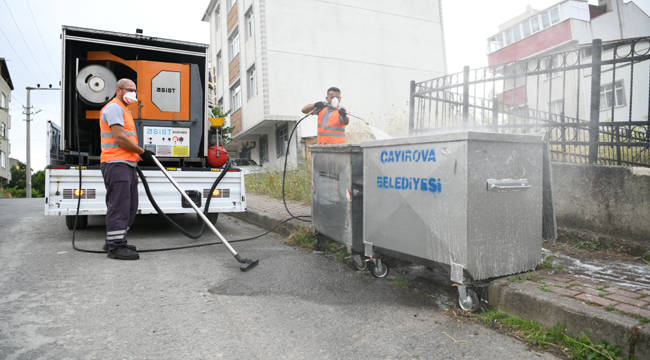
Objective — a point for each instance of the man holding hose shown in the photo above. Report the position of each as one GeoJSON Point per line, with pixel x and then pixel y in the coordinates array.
{"type": "Point", "coordinates": [332, 118]}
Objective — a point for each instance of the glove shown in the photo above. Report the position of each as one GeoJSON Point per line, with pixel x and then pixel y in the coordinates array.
{"type": "Point", "coordinates": [320, 104]}
{"type": "Point", "coordinates": [343, 113]}
{"type": "Point", "coordinates": [147, 156]}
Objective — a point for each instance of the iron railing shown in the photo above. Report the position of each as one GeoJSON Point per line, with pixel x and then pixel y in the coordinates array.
{"type": "Point", "coordinates": [593, 101]}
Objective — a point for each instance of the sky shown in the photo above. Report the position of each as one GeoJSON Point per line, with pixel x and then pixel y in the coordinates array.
{"type": "Point", "coordinates": [30, 43]}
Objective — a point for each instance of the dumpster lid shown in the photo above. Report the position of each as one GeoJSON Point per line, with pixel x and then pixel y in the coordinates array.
{"type": "Point", "coordinates": [457, 136]}
{"type": "Point", "coordinates": [343, 148]}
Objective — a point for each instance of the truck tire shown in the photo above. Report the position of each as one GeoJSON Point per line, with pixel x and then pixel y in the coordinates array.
{"type": "Point", "coordinates": [81, 223]}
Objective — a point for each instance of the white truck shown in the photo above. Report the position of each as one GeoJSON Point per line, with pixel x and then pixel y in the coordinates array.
{"type": "Point", "coordinates": [171, 117]}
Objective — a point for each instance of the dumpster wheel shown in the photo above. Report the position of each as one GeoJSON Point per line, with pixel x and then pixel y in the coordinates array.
{"type": "Point", "coordinates": [360, 262]}
{"type": "Point", "coordinates": [379, 269]}
{"type": "Point", "coordinates": [470, 302]}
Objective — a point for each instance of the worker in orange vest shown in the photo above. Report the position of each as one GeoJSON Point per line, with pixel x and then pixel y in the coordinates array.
{"type": "Point", "coordinates": [332, 118]}
{"type": "Point", "coordinates": [119, 158]}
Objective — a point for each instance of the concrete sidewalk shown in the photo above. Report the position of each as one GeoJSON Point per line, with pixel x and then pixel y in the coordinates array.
{"type": "Point", "coordinates": [598, 292]}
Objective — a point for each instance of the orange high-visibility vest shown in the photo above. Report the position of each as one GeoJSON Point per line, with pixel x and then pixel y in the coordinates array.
{"type": "Point", "coordinates": [111, 150]}
{"type": "Point", "coordinates": [331, 131]}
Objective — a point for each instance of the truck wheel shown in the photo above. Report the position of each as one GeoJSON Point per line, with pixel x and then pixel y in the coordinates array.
{"type": "Point", "coordinates": [81, 223]}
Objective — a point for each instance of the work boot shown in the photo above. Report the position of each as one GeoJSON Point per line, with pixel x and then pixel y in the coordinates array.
{"type": "Point", "coordinates": [130, 247]}
{"type": "Point", "coordinates": [123, 253]}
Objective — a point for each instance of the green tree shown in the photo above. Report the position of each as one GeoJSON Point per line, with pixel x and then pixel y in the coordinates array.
{"type": "Point", "coordinates": [226, 131]}
{"type": "Point", "coordinates": [38, 184]}
{"type": "Point", "coordinates": [17, 186]}
{"type": "Point", "coordinates": [18, 176]}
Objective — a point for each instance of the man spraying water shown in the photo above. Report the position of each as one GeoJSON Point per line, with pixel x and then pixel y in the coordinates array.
{"type": "Point", "coordinates": [332, 119]}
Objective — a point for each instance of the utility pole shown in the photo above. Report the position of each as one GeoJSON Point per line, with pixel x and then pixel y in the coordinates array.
{"type": "Point", "coordinates": [28, 112]}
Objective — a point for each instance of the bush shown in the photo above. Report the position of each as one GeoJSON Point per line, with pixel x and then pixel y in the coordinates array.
{"type": "Point", "coordinates": [297, 184]}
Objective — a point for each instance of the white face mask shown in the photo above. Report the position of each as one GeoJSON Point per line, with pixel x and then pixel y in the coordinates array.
{"type": "Point", "coordinates": [335, 102]}
{"type": "Point", "coordinates": [130, 98]}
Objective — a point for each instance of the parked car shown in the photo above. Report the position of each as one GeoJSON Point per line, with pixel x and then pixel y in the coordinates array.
{"type": "Point", "coordinates": [248, 165]}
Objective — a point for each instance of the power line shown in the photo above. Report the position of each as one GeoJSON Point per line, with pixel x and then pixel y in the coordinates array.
{"type": "Point", "coordinates": [16, 52]}
{"type": "Point", "coordinates": [21, 35]}
{"type": "Point", "coordinates": [42, 42]}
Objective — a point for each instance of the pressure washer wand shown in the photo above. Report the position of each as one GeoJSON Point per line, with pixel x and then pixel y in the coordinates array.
{"type": "Point", "coordinates": [248, 263]}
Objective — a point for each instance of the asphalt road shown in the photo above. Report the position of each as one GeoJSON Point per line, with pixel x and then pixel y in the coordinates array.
{"type": "Point", "coordinates": [58, 303]}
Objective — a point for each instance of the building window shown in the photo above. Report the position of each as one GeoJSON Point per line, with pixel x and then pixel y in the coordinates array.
{"type": "Point", "coordinates": [234, 44]}
{"type": "Point", "coordinates": [546, 20]}
{"type": "Point", "coordinates": [508, 36]}
{"type": "Point", "coordinates": [3, 161]}
{"type": "Point", "coordinates": [555, 107]}
{"type": "Point", "coordinates": [551, 62]}
{"type": "Point", "coordinates": [217, 19]}
{"type": "Point", "coordinates": [3, 129]}
{"type": "Point", "coordinates": [219, 64]}
{"type": "Point", "coordinates": [516, 33]}
{"type": "Point", "coordinates": [3, 104]}
{"type": "Point", "coordinates": [264, 149]}
{"type": "Point", "coordinates": [220, 104]}
{"type": "Point", "coordinates": [250, 24]}
{"type": "Point", "coordinates": [252, 82]}
{"type": "Point", "coordinates": [612, 95]}
{"type": "Point", "coordinates": [526, 26]}
{"type": "Point", "coordinates": [534, 23]}
{"type": "Point", "coordinates": [281, 140]}
{"type": "Point", "coordinates": [230, 4]}
{"type": "Point", "coordinates": [235, 97]}
{"type": "Point", "coordinates": [555, 15]}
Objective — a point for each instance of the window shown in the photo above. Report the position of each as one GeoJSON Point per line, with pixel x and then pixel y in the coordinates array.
{"type": "Point", "coordinates": [494, 43]}
{"type": "Point", "coordinates": [555, 107]}
{"type": "Point", "coordinates": [508, 36]}
{"type": "Point", "coordinates": [534, 23]}
{"type": "Point", "coordinates": [3, 161]}
{"type": "Point", "coordinates": [250, 24]}
{"type": "Point", "coordinates": [234, 44]}
{"type": "Point", "coordinates": [217, 19]}
{"type": "Point", "coordinates": [264, 149]}
{"type": "Point", "coordinates": [3, 130]}
{"type": "Point", "coordinates": [235, 97]}
{"type": "Point", "coordinates": [526, 26]}
{"type": "Point", "coordinates": [3, 104]}
{"type": "Point", "coordinates": [230, 4]}
{"type": "Point", "coordinates": [219, 64]}
{"type": "Point", "coordinates": [281, 140]}
{"type": "Point", "coordinates": [546, 21]}
{"type": "Point", "coordinates": [220, 104]}
{"type": "Point", "coordinates": [555, 15]}
{"type": "Point", "coordinates": [252, 82]}
{"type": "Point", "coordinates": [551, 62]}
{"type": "Point", "coordinates": [612, 95]}
{"type": "Point", "coordinates": [516, 33]}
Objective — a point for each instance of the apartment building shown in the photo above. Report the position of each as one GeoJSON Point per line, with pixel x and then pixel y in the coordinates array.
{"type": "Point", "coordinates": [6, 86]}
{"type": "Point", "coordinates": [270, 58]}
{"type": "Point", "coordinates": [569, 27]}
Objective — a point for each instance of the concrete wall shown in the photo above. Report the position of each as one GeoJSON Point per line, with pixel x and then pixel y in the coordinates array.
{"type": "Point", "coordinates": [610, 200]}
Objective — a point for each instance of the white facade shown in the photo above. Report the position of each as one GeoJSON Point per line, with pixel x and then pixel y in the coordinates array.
{"type": "Point", "coordinates": [291, 52]}
{"type": "Point", "coordinates": [5, 122]}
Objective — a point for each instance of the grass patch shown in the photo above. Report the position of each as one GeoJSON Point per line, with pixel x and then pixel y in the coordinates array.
{"type": "Point", "coordinates": [591, 245]}
{"type": "Point", "coordinates": [601, 295]}
{"type": "Point", "coordinates": [301, 237]}
{"type": "Point", "coordinates": [547, 262]}
{"type": "Point", "coordinates": [609, 307]}
{"type": "Point", "coordinates": [543, 286]}
{"type": "Point", "coordinates": [401, 282]}
{"type": "Point", "coordinates": [297, 185]}
{"type": "Point", "coordinates": [536, 334]}
{"type": "Point", "coordinates": [521, 278]}
{"type": "Point", "coordinates": [646, 256]}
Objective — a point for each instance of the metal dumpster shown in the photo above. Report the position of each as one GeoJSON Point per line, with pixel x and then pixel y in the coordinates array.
{"type": "Point", "coordinates": [337, 196]}
{"type": "Point", "coordinates": [467, 202]}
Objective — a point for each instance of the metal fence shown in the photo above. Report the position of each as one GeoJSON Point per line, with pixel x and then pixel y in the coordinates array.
{"type": "Point", "coordinates": [593, 101]}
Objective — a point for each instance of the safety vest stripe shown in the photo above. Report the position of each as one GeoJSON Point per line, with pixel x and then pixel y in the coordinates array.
{"type": "Point", "coordinates": [117, 232]}
{"type": "Point", "coordinates": [110, 145]}
{"type": "Point", "coordinates": [115, 237]}
{"type": "Point", "coordinates": [334, 128]}
{"type": "Point", "coordinates": [322, 134]}
{"type": "Point", "coordinates": [110, 134]}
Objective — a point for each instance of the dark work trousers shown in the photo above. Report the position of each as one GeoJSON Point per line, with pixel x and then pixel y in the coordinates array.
{"type": "Point", "coordinates": [121, 181]}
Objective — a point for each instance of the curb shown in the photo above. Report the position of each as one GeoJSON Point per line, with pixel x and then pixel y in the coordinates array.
{"type": "Point", "coordinates": [266, 221]}
{"type": "Point", "coordinates": [547, 309]}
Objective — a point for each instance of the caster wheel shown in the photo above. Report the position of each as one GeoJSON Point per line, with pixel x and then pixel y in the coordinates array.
{"type": "Point", "coordinates": [359, 262]}
{"type": "Point", "coordinates": [82, 222]}
{"type": "Point", "coordinates": [379, 271]}
{"type": "Point", "coordinates": [470, 302]}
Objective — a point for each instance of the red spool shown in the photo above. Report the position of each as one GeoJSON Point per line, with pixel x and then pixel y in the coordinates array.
{"type": "Point", "coordinates": [215, 161]}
